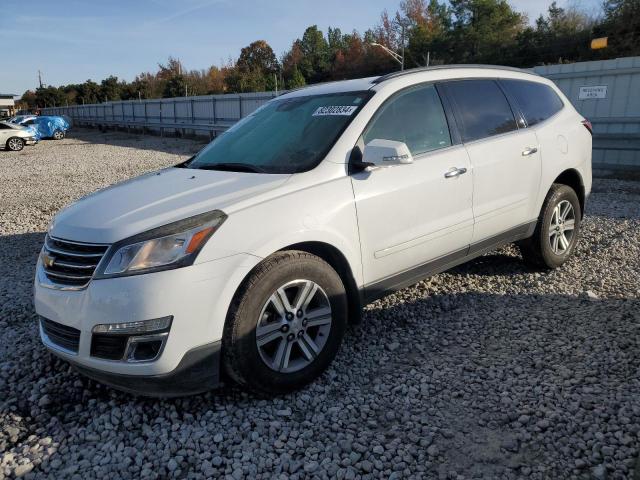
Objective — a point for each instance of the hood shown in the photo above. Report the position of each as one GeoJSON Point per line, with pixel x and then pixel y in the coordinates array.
{"type": "Point", "coordinates": [156, 199]}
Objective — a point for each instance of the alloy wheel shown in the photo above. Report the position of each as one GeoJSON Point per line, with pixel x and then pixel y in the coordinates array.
{"type": "Point", "coordinates": [562, 227]}
{"type": "Point", "coordinates": [15, 144]}
{"type": "Point", "coordinates": [293, 326]}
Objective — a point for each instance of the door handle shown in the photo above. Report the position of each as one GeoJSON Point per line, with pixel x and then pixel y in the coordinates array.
{"type": "Point", "coordinates": [529, 151]}
{"type": "Point", "coordinates": [455, 172]}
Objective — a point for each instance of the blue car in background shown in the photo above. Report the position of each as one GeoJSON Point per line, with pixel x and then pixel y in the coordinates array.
{"type": "Point", "coordinates": [47, 126]}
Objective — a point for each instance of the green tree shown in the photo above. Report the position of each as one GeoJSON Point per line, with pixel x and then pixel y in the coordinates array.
{"type": "Point", "coordinates": [110, 89]}
{"type": "Point", "coordinates": [315, 50]}
{"type": "Point", "coordinates": [258, 56]}
{"type": "Point", "coordinates": [29, 99]}
{"type": "Point", "coordinates": [175, 87]}
{"type": "Point", "coordinates": [50, 97]}
{"type": "Point", "coordinates": [428, 37]}
{"type": "Point", "coordinates": [255, 69]}
{"type": "Point", "coordinates": [622, 26]}
{"type": "Point", "coordinates": [484, 31]}
{"type": "Point", "coordinates": [297, 79]}
{"type": "Point", "coordinates": [88, 92]}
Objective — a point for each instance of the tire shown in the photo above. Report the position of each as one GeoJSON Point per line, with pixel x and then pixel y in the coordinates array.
{"type": "Point", "coordinates": [58, 135]}
{"type": "Point", "coordinates": [15, 144]}
{"type": "Point", "coordinates": [254, 317]}
{"type": "Point", "coordinates": [552, 245]}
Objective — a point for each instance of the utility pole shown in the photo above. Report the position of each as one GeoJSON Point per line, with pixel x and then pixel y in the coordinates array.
{"type": "Point", "coordinates": [428, 58]}
{"type": "Point", "coordinates": [402, 40]}
{"type": "Point", "coordinates": [275, 76]}
{"type": "Point", "coordinates": [40, 78]}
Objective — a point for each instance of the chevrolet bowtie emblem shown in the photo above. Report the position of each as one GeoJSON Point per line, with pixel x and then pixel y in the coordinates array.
{"type": "Point", "coordinates": [48, 260]}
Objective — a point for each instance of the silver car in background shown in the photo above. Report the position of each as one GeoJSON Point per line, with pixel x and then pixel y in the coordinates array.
{"type": "Point", "coordinates": [15, 137]}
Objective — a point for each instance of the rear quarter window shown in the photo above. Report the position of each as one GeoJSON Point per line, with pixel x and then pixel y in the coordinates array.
{"type": "Point", "coordinates": [537, 101]}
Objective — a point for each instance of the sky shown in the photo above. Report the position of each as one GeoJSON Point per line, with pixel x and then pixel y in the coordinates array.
{"type": "Point", "coordinates": [71, 41]}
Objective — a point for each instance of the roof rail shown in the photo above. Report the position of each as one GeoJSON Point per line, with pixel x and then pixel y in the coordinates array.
{"type": "Point", "coordinates": [401, 73]}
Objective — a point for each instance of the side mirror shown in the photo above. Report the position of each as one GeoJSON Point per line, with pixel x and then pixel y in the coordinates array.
{"type": "Point", "coordinates": [386, 153]}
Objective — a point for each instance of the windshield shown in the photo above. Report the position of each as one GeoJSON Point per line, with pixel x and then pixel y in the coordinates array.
{"type": "Point", "coordinates": [284, 136]}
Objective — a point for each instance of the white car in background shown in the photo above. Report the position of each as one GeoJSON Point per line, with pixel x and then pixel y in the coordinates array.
{"type": "Point", "coordinates": [247, 261]}
{"type": "Point", "coordinates": [15, 137]}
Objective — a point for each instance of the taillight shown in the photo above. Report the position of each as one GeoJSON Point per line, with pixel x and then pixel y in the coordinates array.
{"type": "Point", "coordinates": [587, 125]}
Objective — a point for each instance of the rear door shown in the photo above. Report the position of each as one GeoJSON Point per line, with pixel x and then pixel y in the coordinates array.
{"type": "Point", "coordinates": [410, 215]}
{"type": "Point", "coordinates": [503, 153]}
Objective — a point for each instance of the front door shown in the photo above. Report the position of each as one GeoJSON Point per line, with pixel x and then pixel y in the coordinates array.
{"type": "Point", "coordinates": [414, 214]}
{"type": "Point", "coordinates": [4, 135]}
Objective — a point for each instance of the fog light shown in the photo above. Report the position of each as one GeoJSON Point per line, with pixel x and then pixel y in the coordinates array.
{"type": "Point", "coordinates": [145, 350]}
{"type": "Point", "coordinates": [135, 328]}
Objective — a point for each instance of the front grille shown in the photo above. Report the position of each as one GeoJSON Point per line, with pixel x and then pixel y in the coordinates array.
{"type": "Point", "coordinates": [71, 263]}
{"type": "Point", "coordinates": [110, 347]}
{"type": "Point", "coordinates": [60, 335]}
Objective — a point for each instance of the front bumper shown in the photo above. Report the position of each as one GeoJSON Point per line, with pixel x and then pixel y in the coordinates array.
{"type": "Point", "coordinates": [197, 372]}
{"type": "Point", "coordinates": [197, 297]}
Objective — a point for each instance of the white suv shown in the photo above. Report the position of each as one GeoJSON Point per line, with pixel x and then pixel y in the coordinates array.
{"type": "Point", "coordinates": [247, 261]}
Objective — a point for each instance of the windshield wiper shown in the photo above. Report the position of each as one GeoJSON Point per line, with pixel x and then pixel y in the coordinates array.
{"type": "Point", "coordinates": [184, 164]}
{"type": "Point", "coordinates": [233, 167]}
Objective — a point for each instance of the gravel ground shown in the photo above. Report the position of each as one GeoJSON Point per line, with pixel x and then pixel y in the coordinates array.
{"type": "Point", "coordinates": [487, 371]}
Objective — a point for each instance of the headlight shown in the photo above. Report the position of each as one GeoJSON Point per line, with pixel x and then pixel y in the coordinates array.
{"type": "Point", "coordinates": [171, 246]}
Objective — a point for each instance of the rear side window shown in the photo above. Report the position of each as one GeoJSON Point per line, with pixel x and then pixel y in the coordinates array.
{"type": "Point", "coordinates": [482, 109]}
{"type": "Point", "coordinates": [415, 117]}
{"type": "Point", "coordinates": [536, 100]}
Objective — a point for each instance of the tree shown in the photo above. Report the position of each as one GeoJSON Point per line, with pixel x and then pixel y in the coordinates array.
{"type": "Point", "coordinates": [254, 70]}
{"type": "Point", "coordinates": [29, 99]}
{"type": "Point", "coordinates": [175, 87]}
{"type": "Point", "coordinates": [429, 35]}
{"type": "Point", "coordinates": [110, 89]}
{"type": "Point", "coordinates": [170, 70]}
{"type": "Point", "coordinates": [296, 80]}
{"type": "Point", "coordinates": [315, 55]}
{"type": "Point", "coordinates": [622, 25]}
{"type": "Point", "coordinates": [215, 80]}
{"type": "Point", "coordinates": [484, 31]}
{"type": "Point", "coordinates": [258, 56]}
{"type": "Point", "coordinates": [50, 97]}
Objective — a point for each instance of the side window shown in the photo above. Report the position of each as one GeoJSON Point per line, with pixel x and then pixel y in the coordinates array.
{"type": "Point", "coordinates": [415, 117]}
{"type": "Point", "coordinates": [536, 100]}
{"type": "Point", "coordinates": [483, 109]}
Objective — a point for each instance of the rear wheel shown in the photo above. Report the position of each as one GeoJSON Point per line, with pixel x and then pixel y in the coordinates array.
{"type": "Point", "coordinates": [58, 135]}
{"type": "Point", "coordinates": [286, 323]}
{"type": "Point", "coordinates": [556, 233]}
{"type": "Point", "coordinates": [15, 144]}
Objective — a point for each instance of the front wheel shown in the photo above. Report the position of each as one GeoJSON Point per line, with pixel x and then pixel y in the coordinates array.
{"type": "Point", "coordinates": [286, 323]}
{"type": "Point", "coordinates": [557, 230]}
{"type": "Point", "coordinates": [58, 135]}
{"type": "Point", "coordinates": [15, 144]}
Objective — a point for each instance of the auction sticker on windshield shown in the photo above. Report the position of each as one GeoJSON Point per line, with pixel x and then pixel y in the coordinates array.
{"type": "Point", "coordinates": [335, 110]}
